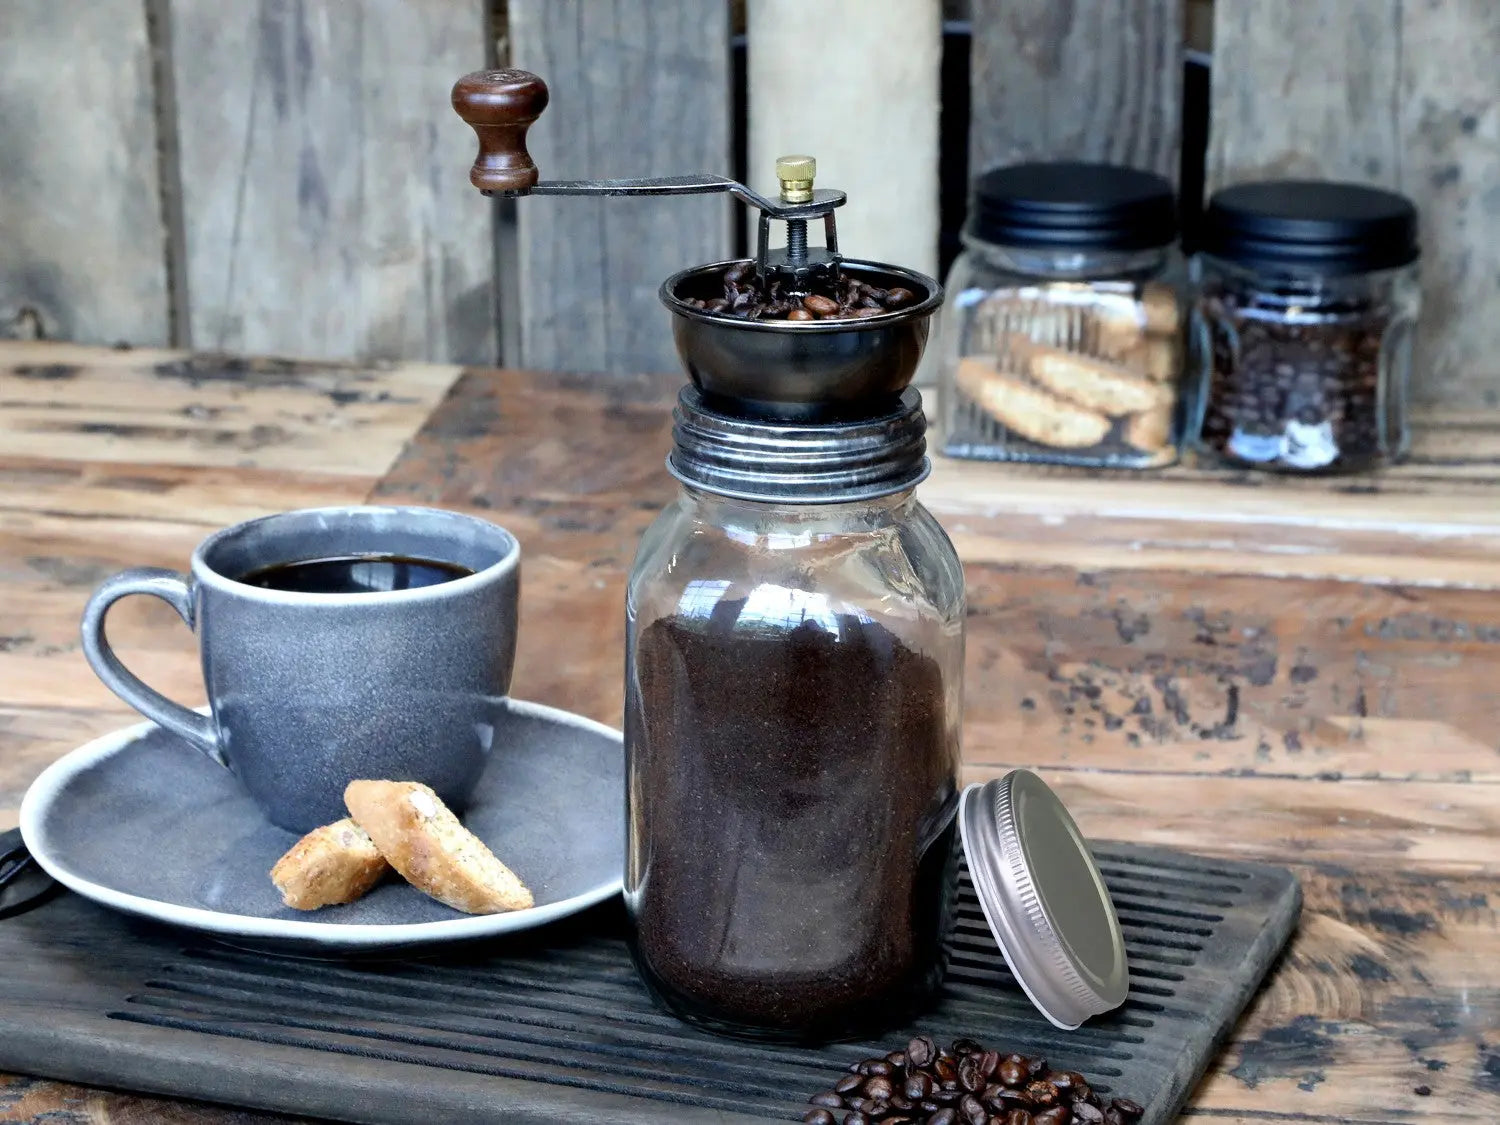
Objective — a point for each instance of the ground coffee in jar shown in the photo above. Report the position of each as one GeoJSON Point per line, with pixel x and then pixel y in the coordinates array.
{"type": "Point", "coordinates": [1305, 319]}
{"type": "Point", "coordinates": [793, 696]}
{"type": "Point", "coordinates": [801, 851]}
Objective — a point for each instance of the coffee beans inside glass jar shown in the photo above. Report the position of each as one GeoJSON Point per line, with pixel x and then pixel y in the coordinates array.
{"type": "Point", "coordinates": [964, 1084]}
{"type": "Point", "coordinates": [1305, 319]}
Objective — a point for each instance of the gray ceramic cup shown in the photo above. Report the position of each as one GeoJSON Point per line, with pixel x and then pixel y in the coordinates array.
{"type": "Point", "coordinates": [309, 691]}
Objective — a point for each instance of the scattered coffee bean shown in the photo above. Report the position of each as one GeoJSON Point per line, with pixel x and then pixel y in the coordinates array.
{"type": "Point", "coordinates": [1423, 1091]}
{"type": "Point", "coordinates": [854, 1117]}
{"type": "Point", "coordinates": [927, 1083]}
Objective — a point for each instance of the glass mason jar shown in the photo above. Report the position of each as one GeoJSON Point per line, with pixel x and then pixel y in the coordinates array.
{"type": "Point", "coordinates": [1307, 310]}
{"type": "Point", "coordinates": [1062, 335]}
{"type": "Point", "coordinates": [793, 697]}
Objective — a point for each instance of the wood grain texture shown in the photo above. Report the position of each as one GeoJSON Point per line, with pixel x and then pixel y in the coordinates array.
{"type": "Point", "coordinates": [1398, 93]}
{"type": "Point", "coordinates": [325, 200]}
{"type": "Point", "coordinates": [639, 88]}
{"type": "Point", "coordinates": [1077, 79]}
{"type": "Point", "coordinates": [83, 247]}
{"type": "Point", "coordinates": [1225, 665]}
{"type": "Point", "coordinates": [161, 407]}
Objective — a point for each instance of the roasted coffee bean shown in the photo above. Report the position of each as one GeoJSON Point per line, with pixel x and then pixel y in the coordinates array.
{"type": "Point", "coordinates": [897, 1059]}
{"type": "Point", "coordinates": [1086, 1114]}
{"type": "Point", "coordinates": [848, 1084]}
{"type": "Point", "coordinates": [945, 1070]}
{"type": "Point", "coordinates": [1012, 1072]}
{"type": "Point", "coordinates": [895, 298]}
{"type": "Point", "coordinates": [1036, 1066]}
{"type": "Point", "coordinates": [1057, 1115]}
{"type": "Point", "coordinates": [946, 1097]}
{"type": "Point", "coordinates": [970, 1111]}
{"type": "Point", "coordinates": [861, 1105]}
{"type": "Point", "coordinates": [899, 1102]}
{"type": "Point", "coordinates": [943, 1117]}
{"type": "Point", "coordinates": [875, 1066]}
{"type": "Point", "coordinates": [879, 1087]}
{"type": "Point", "coordinates": [1018, 1117]}
{"type": "Point", "coordinates": [827, 1098]}
{"type": "Point", "coordinates": [1083, 1092]}
{"type": "Point", "coordinates": [918, 1086]}
{"type": "Point", "coordinates": [738, 272]}
{"type": "Point", "coordinates": [988, 1061]}
{"type": "Point", "coordinates": [920, 1051]}
{"type": "Point", "coordinates": [819, 1117]}
{"type": "Point", "coordinates": [1064, 1079]}
{"type": "Point", "coordinates": [1127, 1107]}
{"type": "Point", "coordinates": [927, 1105]}
{"type": "Point", "coordinates": [1113, 1116]}
{"type": "Point", "coordinates": [820, 306]}
{"type": "Point", "coordinates": [854, 1117]}
{"type": "Point", "coordinates": [1042, 1092]}
{"type": "Point", "coordinates": [866, 312]}
{"type": "Point", "coordinates": [970, 1077]}
{"type": "Point", "coordinates": [949, 1084]}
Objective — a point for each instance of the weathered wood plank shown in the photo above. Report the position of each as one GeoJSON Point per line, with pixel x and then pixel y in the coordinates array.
{"type": "Point", "coordinates": [91, 404]}
{"type": "Point", "coordinates": [1089, 80]}
{"type": "Point", "coordinates": [1400, 94]}
{"type": "Point", "coordinates": [83, 246]}
{"type": "Point", "coordinates": [639, 88]}
{"type": "Point", "coordinates": [860, 61]}
{"type": "Point", "coordinates": [326, 207]}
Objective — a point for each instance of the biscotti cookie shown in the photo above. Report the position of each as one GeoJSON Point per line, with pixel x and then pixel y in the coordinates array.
{"type": "Point", "coordinates": [1027, 411]}
{"type": "Point", "coordinates": [1155, 357]}
{"type": "Point", "coordinates": [334, 864]}
{"type": "Point", "coordinates": [422, 839]}
{"type": "Point", "coordinates": [1095, 384]}
{"type": "Point", "coordinates": [1150, 431]}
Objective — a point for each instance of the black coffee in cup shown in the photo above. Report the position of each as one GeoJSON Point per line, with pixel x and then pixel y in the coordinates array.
{"type": "Point", "coordinates": [355, 574]}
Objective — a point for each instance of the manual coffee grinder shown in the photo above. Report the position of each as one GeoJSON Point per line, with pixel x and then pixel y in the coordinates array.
{"type": "Point", "coordinates": [795, 628]}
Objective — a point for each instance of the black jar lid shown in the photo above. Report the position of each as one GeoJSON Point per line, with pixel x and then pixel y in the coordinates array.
{"type": "Point", "coordinates": [1073, 205]}
{"type": "Point", "coordinates": [1323, 225]}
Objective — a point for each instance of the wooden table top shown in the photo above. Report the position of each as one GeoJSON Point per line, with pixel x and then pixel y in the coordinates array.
{"type": "Point", "coordinates": [1301, 672]}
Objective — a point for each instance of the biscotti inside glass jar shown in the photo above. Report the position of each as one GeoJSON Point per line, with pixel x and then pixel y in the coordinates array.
{"type": "Point", "coordinates": [1307, 312]}
{"type": "Point", "coordinates": [1063, 333]}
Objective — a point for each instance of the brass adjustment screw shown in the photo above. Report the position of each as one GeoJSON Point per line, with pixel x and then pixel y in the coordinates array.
{"type": "Point", "coordinates": [796, 175]}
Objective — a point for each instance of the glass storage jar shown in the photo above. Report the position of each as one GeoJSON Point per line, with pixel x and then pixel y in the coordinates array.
{"type": "Point", "coordinates": [1062, 335]}
{"type": "Point", "coordinates": [793, 696]}
{"type": "Point", "coordinates": [1306, 314]}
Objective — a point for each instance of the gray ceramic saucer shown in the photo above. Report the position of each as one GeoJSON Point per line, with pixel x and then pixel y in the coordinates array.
{"type": "Point", "coordinates": [140, 821]}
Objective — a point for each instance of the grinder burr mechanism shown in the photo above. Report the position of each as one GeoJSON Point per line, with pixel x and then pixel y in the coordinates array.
{"type": "Point", "coordinates": [798, 333]}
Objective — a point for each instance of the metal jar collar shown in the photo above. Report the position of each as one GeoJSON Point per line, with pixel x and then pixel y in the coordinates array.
{"type": "Point", "coordinates": [799, 462]}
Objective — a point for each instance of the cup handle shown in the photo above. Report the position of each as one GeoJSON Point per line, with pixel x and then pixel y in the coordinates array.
{"type": "Point", "coordinates": [177, 592]}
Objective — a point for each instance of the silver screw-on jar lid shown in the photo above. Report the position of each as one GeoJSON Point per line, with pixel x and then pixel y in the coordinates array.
{"type": "Point", "coordinates": [1044, 898]}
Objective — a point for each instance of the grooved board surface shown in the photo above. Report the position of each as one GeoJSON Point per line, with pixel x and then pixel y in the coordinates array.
{"type": "Point", "coordinates": [556, 1027]}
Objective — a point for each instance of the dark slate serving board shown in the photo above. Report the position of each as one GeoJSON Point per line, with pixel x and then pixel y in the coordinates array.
{"type": "Point", "coordinates": [552, 1026]}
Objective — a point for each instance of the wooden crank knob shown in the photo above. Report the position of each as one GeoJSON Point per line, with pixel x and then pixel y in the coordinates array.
{"type": "Point", "coordinates": [500, 106]}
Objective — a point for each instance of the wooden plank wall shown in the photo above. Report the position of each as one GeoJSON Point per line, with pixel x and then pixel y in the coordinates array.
{"type": "Point", "coordinates": [326, 206]}
{"type": "Point", "coordinates": [82, 239]}
{"type": "Point", "coordinates": [271, 176]}
{"type": "Point", "coordinates": [1402, 93]}
{"type": "Point", "coordinates": [639, 88]}
{"type": "Point", "coordinates": [1087, 79]}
